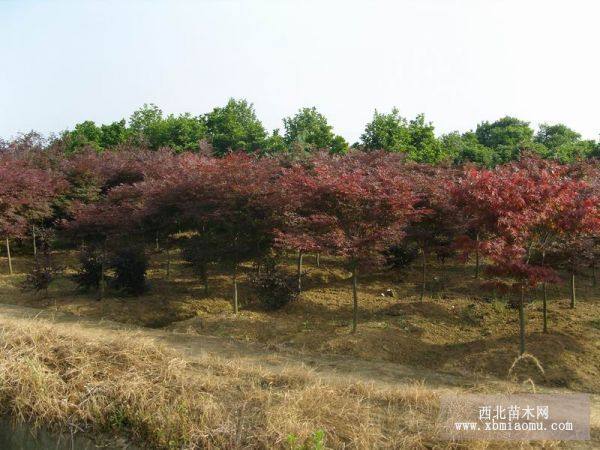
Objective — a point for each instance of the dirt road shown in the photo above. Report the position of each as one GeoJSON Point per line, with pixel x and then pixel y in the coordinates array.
{"type": "Point", "coordinates": [332, 368]}
{"type": "Point", "coordinates": [327, 366]}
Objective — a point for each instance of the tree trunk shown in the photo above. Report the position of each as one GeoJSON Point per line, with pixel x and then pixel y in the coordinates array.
{"type": "Point", "coordinates": [168, 261]}
{"type": "Point", "coordinates": [477, 257]}
{"type": "Point", "coordinates": [102, 278]}
{"type": "Point", "coordinates": [424, 274]}
{"type": "Point", "coordinates": [545, 307]}
{"type": "Point", "coordinates": [522, 321]}
{"type": "Point", "coordinates": [573, 293]}
{"type": "Point", "coordinates": [206, 284]}
{"type": "Point", "coordinates": [545, 296]}
{"type": "Point", "coordinates": [318, 257]}
{"type": "Point", "coordinates": [235, 290]}
{"type": "Point", "coordinates": [299, 271]}
{"type": "Point", "coordinates": [354, 299]}
{"type": "Point", "coordinates": [10, 267]}
{"type": "Point", "coordinates": [156, 246]}
{"type": "Point", "coordinates": [34, 242]}
{"type": "Point", "coordinates": [594, 278]}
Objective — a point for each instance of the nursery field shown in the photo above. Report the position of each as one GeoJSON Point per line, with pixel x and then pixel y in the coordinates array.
{"type": "Point", "coordinates": [301, 366]}
{"type": "Point", "coordinates": [354, 268]}
{"type": "Point", "coordinates": [353, 276]}
{"type": "Point", "coordinates": [460, 327]}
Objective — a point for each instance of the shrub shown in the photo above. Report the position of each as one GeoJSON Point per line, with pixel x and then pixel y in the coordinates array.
{"type": "Point", "coordinates": [43, 272]}
{"type": "Point", "coordinates": [400, 256]}
{"type": "Point", "coordinates": [40, 278]}
{"type": "Point", "coordinates": [273, 287]}
{"type": "Point", "coordinates": [90, 271]}
{"type": "Point", "coordinates": [199, 252]}
{"type": "Point", "coordinates": [130, 265]}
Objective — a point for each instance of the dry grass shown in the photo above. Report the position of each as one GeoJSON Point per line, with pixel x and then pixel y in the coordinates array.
{"type": "Point", "coordinates": [460, 328]}
{"type": "Point", "coordinates": [76, 378]}
{"type": "Point", "coordinates": [72, 378]}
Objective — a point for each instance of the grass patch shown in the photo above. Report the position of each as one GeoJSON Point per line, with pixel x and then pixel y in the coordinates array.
{"type": "Point", "coordinates": [460, 328]}
{"type": "Point", "coordinates": [72, 378]}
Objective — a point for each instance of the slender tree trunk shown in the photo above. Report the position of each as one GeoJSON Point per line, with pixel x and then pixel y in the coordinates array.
{"type": "Point", "coordinates": [477, 257]}
{"type": "Point", "coordinates": [318, 258]}
{"type": "Point", "coordinates": [34, 241]}
{"type": "Point", "coordinates": [299, 271]}
{"type": "Point", "coordinates": [424, 273]}
{"type": "Point", "coordinates": [545, 307]}
{"type": "Point", "coordinates": [522, 321]}
{"type": "Point", "coordinates": [354, 298]}
{"type": "Point", "coordinates": [206, 284]}
{"type": "Point", "coordinates": [10, 266]}
{"type": "Point", "coordinates": [156, 246]}
{"type": "Point", "coordinates": [594, 278]}
{"type": "Point", "coordinates": [168, 262]}
{"type": "Point", "coordinates": [235, 290]}
{"type": "Point", "coordinates": [102, 270]}
{"type": "Point", "coordinates": [573, 292]}
{"type": "Point", "coordinates": [544, 296]}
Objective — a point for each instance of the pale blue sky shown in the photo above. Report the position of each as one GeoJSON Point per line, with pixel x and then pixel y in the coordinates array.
{"type": "Point", "coordinates": [457, 61]}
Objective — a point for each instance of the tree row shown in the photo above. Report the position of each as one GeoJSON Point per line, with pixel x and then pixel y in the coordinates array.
{"type": "Point", "coordinates": [236, 127]}
{"type": "Point", "coordinates": [532, 220]}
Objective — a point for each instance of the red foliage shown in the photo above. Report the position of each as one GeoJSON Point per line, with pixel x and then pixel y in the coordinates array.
{"type": "Point", "coordinates": [353, 206]}
{"type": "Point", "coordinates": [235, 197]}
{"type": "Point", "coordinates": [26, 195]}
{"type": "Point", "coordinates": [438, 223]}
{"type": "Point", "coordinates": [518, 206]}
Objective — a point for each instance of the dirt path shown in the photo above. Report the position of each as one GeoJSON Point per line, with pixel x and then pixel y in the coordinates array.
{"type": "Point", "coordinates": [327, 366]}
{"type": "Point", "coordinates": [336, 369]}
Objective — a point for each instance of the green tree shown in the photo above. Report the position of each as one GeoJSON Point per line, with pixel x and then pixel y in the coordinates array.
{"type": "Point", "coordinates": [466, 148]}
{"type": "Point", "coordinates": [553, 136]}
{"type": "Point", "coordinates": [143, 118]}
{"type": "Point", "coordinates": [387, 132]}
{"type": "Point", "coordinates": [424, 145]}
{"type": "Point", "coordinates": [595, 153]}
{"type": "Point", "coordinates": [275, 143]}
{"type": "Point", "coordinates": [568, 153]}
{"type": "Point", "coordinates": [142, 121]}
{"type": "Point", "coordinates": [338, 145]}
{"type": "Point", "coordinates": [113, 134]}
{"type": "Point", "coordinates": [309, 130]}
{"type": "Point", "coordinates": [180, 133]}
{"type": "Point", "coordinates": [235, 127]}
{"type": "Point", "coordinates": [84, 134]}
{"type": "Point", "coordinates": [394, 133]}
{"type": "Point", "coordinates": [562, 143]}
{"type": "Point", "coordinates": [507, 136]}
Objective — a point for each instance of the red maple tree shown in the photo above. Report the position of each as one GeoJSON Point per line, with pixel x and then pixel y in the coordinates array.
{"type": "Point", "coordinates": [26, 197]}
{"type": "Point", "coordinates": [521, 206]}
{"type": "Point", "coordinates": [351, 206]}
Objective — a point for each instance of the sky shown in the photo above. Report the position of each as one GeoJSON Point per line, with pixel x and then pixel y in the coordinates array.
{"type": "Point", "coordinates": [459, 62]}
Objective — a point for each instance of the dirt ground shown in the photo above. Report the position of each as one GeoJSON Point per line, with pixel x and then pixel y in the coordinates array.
{"type": "Point", "coordinates": [460, 329]}
{"type": "Point", "coordinates": [270, 373]}
{"type": "Point", "coordinates": [462, 337]}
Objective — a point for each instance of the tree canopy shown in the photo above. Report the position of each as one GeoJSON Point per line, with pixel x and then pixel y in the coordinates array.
{"type": "Point", "coordinates": [236, 126]}
{"type": "Point", "coordinates": [310, 130]}
{"type": "Point", "coordinates": [394, 133]}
